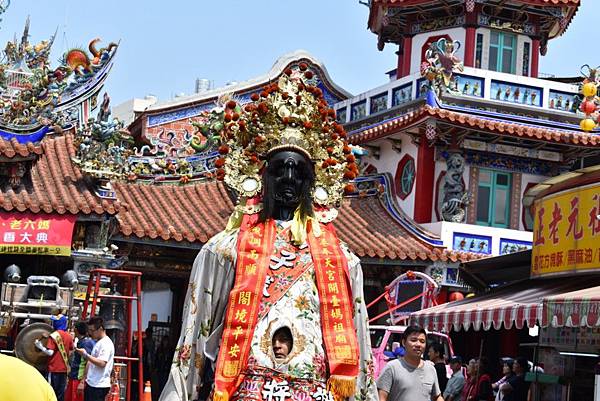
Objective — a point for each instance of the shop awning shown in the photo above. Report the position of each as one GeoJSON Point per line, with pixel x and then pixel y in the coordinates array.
{"type": "Point", "coordinates": [573, 309]}
{"type": "Point", "coordinates": [484, 273]}
{"type": "Point", "coordinates": [518, 304]}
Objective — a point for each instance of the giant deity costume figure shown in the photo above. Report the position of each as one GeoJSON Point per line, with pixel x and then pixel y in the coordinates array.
{"type": "Point", "coordinates": [278, 272]}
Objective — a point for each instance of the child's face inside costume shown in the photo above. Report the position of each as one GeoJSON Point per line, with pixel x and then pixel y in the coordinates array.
{"type": "Point", "coordinates": [282, 343]}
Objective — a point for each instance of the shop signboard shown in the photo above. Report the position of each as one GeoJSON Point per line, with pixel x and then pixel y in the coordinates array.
{"type": "Point", "coordinates": [575, 339]}
{"type": "Point", "coordinates": [566, 232]}
{"type": "Point", "coordinates": [36, 234]}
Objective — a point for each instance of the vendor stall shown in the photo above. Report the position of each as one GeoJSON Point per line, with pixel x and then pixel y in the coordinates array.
{"type": "Point", "coordinates": [559, 302]}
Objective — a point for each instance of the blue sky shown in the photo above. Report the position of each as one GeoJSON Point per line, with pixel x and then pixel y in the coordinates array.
{"type": "Point", "coordinates": [166, 45]}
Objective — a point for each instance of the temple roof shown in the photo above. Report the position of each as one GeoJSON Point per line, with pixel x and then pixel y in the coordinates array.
{"type": "Point", "coordinates": [12, 148]}
{"type": "Point", "coordinates": [182, 108]}
{"type": "Point", "coordinates": [55, 185]}
{"type": "Point", "coordinates": [369, 221]}
{"type": "Point", "coordinates": [487, 123]}
{"type": "Point", "coordinates": [276, 70]}
{"type": "Point", "coordinates": [387, 23]}
{"type": "Point", "coordinates": [196, 212]}
{"type": "Point", "coordinates": [193, 212]}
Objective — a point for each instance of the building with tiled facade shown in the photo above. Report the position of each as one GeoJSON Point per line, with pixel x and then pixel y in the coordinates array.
{"type": "Point", "coordinates": [501, 127]}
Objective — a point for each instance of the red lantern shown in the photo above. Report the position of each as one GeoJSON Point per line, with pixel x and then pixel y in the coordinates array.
{"type": "Point", "coordinates": [588, 106]}
{"type": "Point", "coordinates": [456, 296]}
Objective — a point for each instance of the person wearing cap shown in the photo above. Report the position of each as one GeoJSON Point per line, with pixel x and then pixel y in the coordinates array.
{"type": "Point", "coordinates": [456, 382]}
{"type": "Point", "coordinates": [58, 348]}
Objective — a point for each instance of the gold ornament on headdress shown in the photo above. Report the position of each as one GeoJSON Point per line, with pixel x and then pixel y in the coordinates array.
{"type": "Point", "coordinates": [290, 114]}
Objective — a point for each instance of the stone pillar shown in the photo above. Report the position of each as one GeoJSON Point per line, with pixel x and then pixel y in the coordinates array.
{"type": "Point", "coordinates": [406, 56]}
{"type": "Point", "coordinates": [455, 196]}
{"type": "Point", "coordinates": [470, 46]}
{"type": "Point", "coordinates": [424, 181]}
{"type": "Point", "coordinates": [535, 57]}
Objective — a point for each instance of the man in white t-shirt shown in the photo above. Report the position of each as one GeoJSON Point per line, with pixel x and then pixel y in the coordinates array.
{"type": "Point", "coordinates": [100, 362]}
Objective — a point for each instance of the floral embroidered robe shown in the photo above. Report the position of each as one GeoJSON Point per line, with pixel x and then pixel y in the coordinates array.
{"type": "Point", "coordinates": [297, 308]}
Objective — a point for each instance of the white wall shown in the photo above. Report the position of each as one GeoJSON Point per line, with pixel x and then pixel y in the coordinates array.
{"type": "Point", "coordinates": [419, 40]}
{"type": "Point", "coordinates": [126, 110]}
{"type": "Point", "coordinates": [156, 298]}
{"type": "Point", "coordinates": [485, 54]}
{"type": "Point", "coordinates": [388, 162]}
{"type": "Point", "coordinates": [446, 231]}
{"type": "Point", "coordinates": [521, 40]}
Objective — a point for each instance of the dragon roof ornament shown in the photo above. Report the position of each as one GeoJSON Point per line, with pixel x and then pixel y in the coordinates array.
{"type": "Point", "coordinates": [36, 98]}
{"type": "Point", "coordinates": [106, 151]}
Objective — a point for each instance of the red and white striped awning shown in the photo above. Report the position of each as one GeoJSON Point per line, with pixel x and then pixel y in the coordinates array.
{"type": "Point", "coordinates": [517, 305]}
{"type": "Point", "coordinates": [573, 309]}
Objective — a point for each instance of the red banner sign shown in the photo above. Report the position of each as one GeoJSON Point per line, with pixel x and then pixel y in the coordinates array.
{"type": "Point", "coordinates": [36, 234]}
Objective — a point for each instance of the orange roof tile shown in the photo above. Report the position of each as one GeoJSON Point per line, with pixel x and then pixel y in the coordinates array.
{"type": "Point", "coordinates": [192, 212]}
{"type": "Point", "coordinates": [56, 185]}
{"type": "Point", "coordinates": [11, 148]}
{"type": "Point", "coordinates": [485, 124]}
{"type": "Point", "coordinates": [197, 212]}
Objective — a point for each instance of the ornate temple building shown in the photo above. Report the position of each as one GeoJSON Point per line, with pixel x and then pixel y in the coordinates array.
{"type": "Point", "coordinates": [464, 125]}
{"type": "Point", "coordinates": [448, 148]}
{"type": "Point", "coordinates": [51, 215]}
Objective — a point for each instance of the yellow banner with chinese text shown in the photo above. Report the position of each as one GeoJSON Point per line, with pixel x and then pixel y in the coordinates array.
{"type": "Point", "coordinates": [36, 250]}
{"type": "Point", "coordinates": [566, 232]}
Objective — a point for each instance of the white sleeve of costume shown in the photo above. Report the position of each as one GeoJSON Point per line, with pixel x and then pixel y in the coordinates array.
{"type": "Point", "coordinates": [210, 282]}
{"type": "Point", "coordinates": [366, 388]}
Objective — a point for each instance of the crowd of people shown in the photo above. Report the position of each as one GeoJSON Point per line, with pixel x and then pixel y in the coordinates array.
{"type": "Point", "coordinates": [80, 364]}
{"type": "Point", "coordinates": [411, 378]}
{"type": "Point", "coordinates": [79, 367]}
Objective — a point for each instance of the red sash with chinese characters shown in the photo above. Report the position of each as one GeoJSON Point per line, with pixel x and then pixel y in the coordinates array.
{"type": "Point", "coordinates": [335, 297]}
{"type": "Point", "coordinates": [281, 279]}
{"type": "Point", "coordinates": [255, 246]}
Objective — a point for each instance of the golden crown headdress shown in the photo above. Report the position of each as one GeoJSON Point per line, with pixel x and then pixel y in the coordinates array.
{"type": "Point", "coordinates": [290, 114]}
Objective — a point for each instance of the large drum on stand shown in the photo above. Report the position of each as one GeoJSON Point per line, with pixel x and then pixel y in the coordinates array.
{"type": "Point", "coordinates": [25, 348]}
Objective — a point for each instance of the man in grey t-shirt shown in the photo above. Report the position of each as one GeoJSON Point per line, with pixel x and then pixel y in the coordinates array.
{"type": "Point", "coordinates": [410, 378]}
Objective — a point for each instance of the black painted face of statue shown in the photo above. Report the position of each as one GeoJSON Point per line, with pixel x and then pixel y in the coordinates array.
{"type": "Point", "coordinates": [287, 183]}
